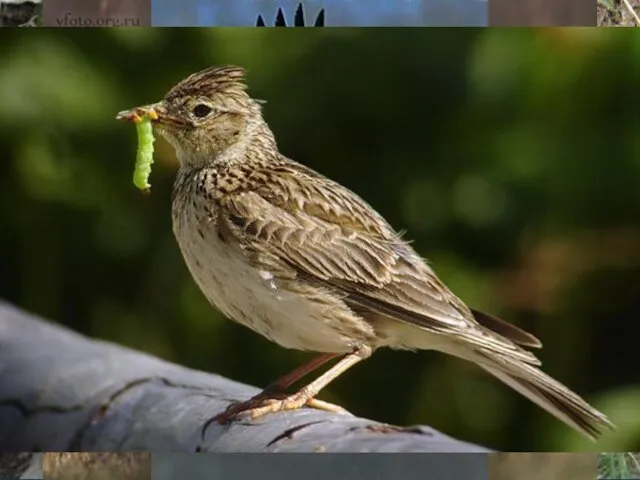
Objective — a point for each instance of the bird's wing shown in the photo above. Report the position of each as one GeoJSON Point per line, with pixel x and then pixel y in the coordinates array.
{"type": "Point", "coordinates": [325, 234]}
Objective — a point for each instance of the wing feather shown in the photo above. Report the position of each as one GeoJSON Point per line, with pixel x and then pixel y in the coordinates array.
{"type": "Point", "coordinates": [329, 236]}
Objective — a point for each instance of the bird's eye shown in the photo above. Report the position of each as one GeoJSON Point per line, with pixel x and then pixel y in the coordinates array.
{"type": "Point", "coordinates": [201, 110]}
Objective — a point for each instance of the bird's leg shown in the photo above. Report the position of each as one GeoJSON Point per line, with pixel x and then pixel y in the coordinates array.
{"type": "Point", "coordinates": [303, 370]}
{"type": "Point", "coordinates": [307, 393]}
{"type": "Point", "coordinates": [284, 382]}
{"type": "Point", "coordinates": [257, 407]}
{"type": "Point", "coordinates": [277, 388]}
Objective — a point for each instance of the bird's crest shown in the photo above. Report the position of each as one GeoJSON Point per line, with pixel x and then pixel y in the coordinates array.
{"type": "Point", "coordinates": [227, 79]}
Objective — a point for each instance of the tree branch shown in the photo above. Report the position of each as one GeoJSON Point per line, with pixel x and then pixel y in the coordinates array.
{"type": "Point", "coordinates": [60, 391]}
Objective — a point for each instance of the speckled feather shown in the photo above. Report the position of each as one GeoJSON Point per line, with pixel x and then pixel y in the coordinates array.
{"type": "Point", "coordinates": [307, 263]}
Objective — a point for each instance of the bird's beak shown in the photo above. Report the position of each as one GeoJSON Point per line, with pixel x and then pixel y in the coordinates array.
{"type": "Point", "coordinates": [155, 112]}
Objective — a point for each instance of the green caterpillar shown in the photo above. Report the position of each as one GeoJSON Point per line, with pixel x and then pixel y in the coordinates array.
{"type": "Point", "coordinates": [144, 157]}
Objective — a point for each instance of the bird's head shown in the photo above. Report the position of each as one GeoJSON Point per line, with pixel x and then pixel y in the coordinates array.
{"type": "Point", "coordinates": [208, 117]}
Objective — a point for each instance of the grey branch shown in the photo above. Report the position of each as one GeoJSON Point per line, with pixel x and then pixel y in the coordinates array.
{"type": "Point", "coordinates": [61, 391]}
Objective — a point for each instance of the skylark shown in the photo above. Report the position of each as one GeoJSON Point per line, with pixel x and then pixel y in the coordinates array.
{"type": "Point", "coordinates": [308, 264]}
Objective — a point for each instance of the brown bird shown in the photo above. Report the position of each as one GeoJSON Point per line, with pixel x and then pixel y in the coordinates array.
{"type": "Point", "coordinates": [96, 466]}
{"type": "Point", "coordinates": [308, 264]}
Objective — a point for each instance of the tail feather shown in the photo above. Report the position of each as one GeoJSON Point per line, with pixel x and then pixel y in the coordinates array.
{"type": "Point", "coordinates": [547, 393]}
{"type": "Point", "coordinates": [506, 330]}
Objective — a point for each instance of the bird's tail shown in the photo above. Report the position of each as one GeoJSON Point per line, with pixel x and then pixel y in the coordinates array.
{"type": "Point", "coordinates": [545, 391]}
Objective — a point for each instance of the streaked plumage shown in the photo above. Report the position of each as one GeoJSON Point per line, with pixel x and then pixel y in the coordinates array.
{"type": "Point", "coordinates": [307, 263]}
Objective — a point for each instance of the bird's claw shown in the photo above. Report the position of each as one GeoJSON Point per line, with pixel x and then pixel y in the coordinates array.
{"type": "Point", "coordinates": [272, 402]}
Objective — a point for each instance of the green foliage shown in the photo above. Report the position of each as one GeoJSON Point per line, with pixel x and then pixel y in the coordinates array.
{"type": "Point", "coordinates": [511, 157]}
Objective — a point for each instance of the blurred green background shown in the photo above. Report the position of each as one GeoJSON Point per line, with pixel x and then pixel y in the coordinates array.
{"type": "Point", "coordinates": [512, 157]}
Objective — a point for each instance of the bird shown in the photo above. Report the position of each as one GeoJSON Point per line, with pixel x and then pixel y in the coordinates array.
{"type": "Point", "coordinates": [20, 13]}
{"type": "Point", "coordinates": [305, 262]}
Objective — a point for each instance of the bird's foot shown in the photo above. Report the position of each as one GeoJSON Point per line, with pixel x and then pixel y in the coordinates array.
{"type": "Point", "coordinates": [292, 402]}
{"type": "Point", "coordinates": [269, 401]}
